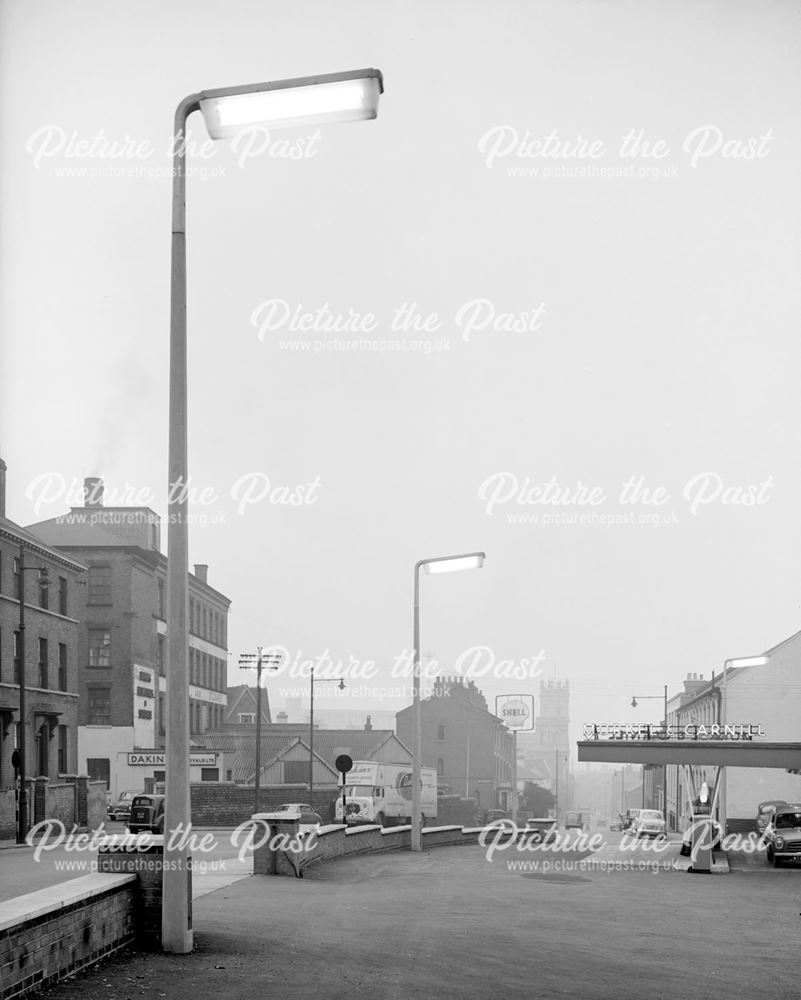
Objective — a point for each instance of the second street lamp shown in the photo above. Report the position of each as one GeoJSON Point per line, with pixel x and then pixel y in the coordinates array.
{"type": "Point", "coordinates": [439, 564]}
{"type": "Point", "coordinates": [333, 97]}
{"type": "Point", "coordinates": [656, 697]}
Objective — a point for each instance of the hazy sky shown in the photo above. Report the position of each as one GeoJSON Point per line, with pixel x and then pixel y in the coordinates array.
{"type": "Point", "coordinates": [655, 321]}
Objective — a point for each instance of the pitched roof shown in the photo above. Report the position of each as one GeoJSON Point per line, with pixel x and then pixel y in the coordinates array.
{"type": "Point", "coordinates": [37, 543]}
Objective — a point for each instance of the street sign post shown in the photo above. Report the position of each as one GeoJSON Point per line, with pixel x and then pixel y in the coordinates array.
{"type": "Point", "coordinates": [343, 764]}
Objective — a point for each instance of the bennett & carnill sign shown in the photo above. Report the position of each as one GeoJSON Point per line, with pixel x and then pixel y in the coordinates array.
{"type": "Point", "coordinates": [625, 731]}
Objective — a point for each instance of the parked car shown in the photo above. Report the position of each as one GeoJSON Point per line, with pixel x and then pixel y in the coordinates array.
{"type": "Point", "coordinates": [147, 814]}
{"type": "Point", "coordinates": [782, 834]}
{"type": "Point", "coordinates": [121, 809]}
{"type": "Point", "coordinates": [687, 836]}
{"type": "Point", "coordinates": [764, 809]}
{"type": "Point", "coordinates": [308, 817]}
{"type": "Point", "coordinates": [649, 823]}
{"type": "Point", "coordinates": [541, 830]}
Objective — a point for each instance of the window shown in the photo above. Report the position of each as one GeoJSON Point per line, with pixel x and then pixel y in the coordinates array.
{"type": "Point", "coordinates": [62, 749]}
{"type": "Point", "coordinates": [160, 598]}
{"type": "Point", "coordinates": [440, 733]}
{"type": "Point", "coordinates": [99, 648]}
{"type": "Point", "coordinates": [203, 622]}
{"type": "Point", "coordinates": [229, 775]}
{"type": "Point", "coordinates": [296, 772]}
{"type": "Point", "coordinates": [62, 595]}
{"type": "Point", "coordinates": [43, 678]}
{"type": "Point", "coordinates": [192, 615]}
{"type": "Point", "coordinates": [62, 666]}
{"type": "Point", "coordinates": [44, 600]}
{"type": "Point", "coordinates": [440, 767]}
{"type": "Point", "coordinates": [160, 654]}
{"type": "Point", "coordinates": [99, 713]}
{"type": "Point", "coordinates": [17, 657]}
{"type": "Point", "coordinates": [17, 578]}
{"type": "Point", "coordinates": [209, 774]}
{"type": "Point", "coordinates": [247, 718]}
{"type": "Point", "coordinates": [99, 585]}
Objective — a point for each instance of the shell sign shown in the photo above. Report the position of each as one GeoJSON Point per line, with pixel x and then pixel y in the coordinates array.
{"type": "Point", "coordinates": [516, 711]}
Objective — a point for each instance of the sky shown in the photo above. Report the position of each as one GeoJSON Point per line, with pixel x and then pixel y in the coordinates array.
{"type": "Point", "coordinates": [566, 252]}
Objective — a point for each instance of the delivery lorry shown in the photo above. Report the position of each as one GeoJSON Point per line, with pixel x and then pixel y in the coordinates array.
{"type": "Point", "coordinates": [382, 793]}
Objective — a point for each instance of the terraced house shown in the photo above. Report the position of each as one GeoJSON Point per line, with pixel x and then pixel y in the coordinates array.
{"type": "Point", "coordinates": [46, 581]}
{"type": "Point", "coordinates": [122, 645]}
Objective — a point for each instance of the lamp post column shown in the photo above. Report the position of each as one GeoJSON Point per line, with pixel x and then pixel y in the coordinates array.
{"type": "Point", "coordinates": [417, 745]}
{"type": "Point", "coordinates": [311, 741]}
{"type": "Point", "coordinates": [176, 935]}
{"type": "Point", "coordinates": [257, 783]}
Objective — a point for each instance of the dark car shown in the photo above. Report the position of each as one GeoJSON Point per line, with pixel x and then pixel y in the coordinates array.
{"type": "Point", "coordinates": [147, 814]}
{"type": "Point", "coordinates": [121, 809]}
{"type": "Point", "coordinates": [782, 834]}
{"type": "Point", "coordinates": [764, 809]}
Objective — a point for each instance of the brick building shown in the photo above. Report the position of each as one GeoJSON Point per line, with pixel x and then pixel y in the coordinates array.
{"type": "Point", "coordinates": [470, 747]}
{"type": "Point", "coordinates": [51, 651]}
{"type": "Point", "coordinates": [122, 640]}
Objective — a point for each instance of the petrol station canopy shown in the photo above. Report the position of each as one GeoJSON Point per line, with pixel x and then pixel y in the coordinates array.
{"type": "Point", "coordinates": [728, 753]}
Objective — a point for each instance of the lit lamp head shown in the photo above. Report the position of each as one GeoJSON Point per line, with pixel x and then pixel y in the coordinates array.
{"type": "Point", "coordinates": [316, 100]}
{"type": "Point", "coordinates": [453, 564]}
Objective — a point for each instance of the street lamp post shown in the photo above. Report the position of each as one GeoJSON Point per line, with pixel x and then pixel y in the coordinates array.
{"type": "Point", "coordinates": [439, 564]}
{"type": "Point", "coordinates": [320, 680]}
{"type": "Point", "coordinates": [22, 814]}
{"type": "Point", "coordinates": [335, 97]}
{"type": "Point", "coordinates": [656, 697]}
{"type": "Point", "coordinates": [739, 662]}
{"type": "Point", "coordinates": [259, 659]}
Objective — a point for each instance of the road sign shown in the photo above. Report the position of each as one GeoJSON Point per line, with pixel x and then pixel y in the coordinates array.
{"type": "Point", "coordinates": [516, 711]}
{"type": "Point", "coordinates": [343, 763]}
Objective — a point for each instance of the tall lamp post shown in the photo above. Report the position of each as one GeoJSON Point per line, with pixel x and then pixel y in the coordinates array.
{"type": "Point", "coordinates": [656, 697]}
{"type": "Point", "coordinates": [439, 564]}
{"type": "Point", "coordinates": [258, 660]}
{"type": "Point", "coordinates": [314, 100]}
{"type": "Point", "coordinates": [320, 680]}
{"type": "Point", "coordinates": [22, 813]}
{"type": "Point", "coordinates": [738, 662]}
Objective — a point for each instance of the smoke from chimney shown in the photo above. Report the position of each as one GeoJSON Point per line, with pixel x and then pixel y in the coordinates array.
{"type": "Point", "coordinates": [93, 491]}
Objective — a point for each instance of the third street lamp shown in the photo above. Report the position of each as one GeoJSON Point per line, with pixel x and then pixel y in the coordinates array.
{"type": "Point", "coordinates": [440, 564]}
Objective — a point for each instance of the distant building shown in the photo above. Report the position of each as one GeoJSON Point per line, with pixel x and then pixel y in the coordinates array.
{"type": "Point", "coordinates": [470, 747]}
{"type": "Point", "coordinates": [546, 750]}
{"type": "Point", "coordinates": [51, 652]}
{"type": "Point", "coordinates": [122, 645]}
{"type": "Point", "coordinates": [242, 710]}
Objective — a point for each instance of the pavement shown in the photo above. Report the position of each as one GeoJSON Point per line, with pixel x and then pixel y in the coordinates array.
{"type": "Point", "coordinates": [23, 869]}
{"type": "Point", "coordinates": [448, 923]}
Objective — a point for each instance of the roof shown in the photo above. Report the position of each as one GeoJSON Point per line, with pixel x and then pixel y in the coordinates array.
{"type": "Point", "coordinates": [66, 530]}
{"type": "Point", "coordinates": [328, 744]}
{"type": "Point", "coordinates": [37, 543]}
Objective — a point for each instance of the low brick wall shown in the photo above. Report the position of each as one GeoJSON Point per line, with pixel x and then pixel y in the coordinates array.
{"type": "Point", "coordinates": [337, 841]}
{"type": "Point", "coordinates": [226, 804]}
{"type": "Point", "coordinates": [52, 933]}
{"type": "Point", "coordinates": [60, 803]}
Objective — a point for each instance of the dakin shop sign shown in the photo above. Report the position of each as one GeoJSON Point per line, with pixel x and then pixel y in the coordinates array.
{"type": "Point", "coordinates": [619, 731]}
{"type": "Point", "coordinates": [160, 759]}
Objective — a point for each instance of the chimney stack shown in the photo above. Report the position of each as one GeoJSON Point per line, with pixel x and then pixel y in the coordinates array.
{"type": "Point", "coordinates": [3, 468]}
{"type": "Point", "coordinates": [202, 572]}
{"type": "Point", "coordinates": [93, 491]}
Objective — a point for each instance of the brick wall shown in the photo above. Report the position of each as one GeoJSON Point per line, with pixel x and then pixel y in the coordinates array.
{"type": "Point", "coordinates": [43, 942]}
{"type": "Point", "coordinates": [227, 804]}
